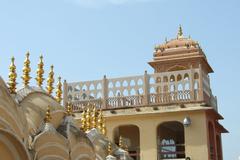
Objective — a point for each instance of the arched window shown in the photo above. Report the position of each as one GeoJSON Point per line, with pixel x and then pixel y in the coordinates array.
{"type": "Point", "coordinates": [170, 140]}
{"type": "Point", "coordinates": [172, 78]}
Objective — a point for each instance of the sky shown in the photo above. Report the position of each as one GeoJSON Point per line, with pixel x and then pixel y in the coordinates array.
{"type": "Point", "coordinates": [86, 39]}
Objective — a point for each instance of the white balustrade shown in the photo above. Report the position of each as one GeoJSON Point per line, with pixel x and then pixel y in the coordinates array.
{"type": "Point", "coordinates": [134, 91]}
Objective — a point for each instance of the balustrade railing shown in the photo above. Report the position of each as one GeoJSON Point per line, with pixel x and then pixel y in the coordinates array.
{"type": "Point", "coordinates": [135, 91]}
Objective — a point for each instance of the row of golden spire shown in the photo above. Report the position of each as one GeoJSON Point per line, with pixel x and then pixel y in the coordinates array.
{"type": "Point", "coordinates": [12, 83]}
{"type": "Point", "coordinates": [93, 118]}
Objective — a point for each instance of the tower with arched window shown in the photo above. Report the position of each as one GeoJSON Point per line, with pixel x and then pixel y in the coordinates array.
{"type": "Point", "coordinates": [170, 114]}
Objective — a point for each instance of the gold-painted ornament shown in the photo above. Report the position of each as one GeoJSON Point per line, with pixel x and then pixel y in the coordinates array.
{"type": "Point", "coordinates": [40, 72]}
{"type": "Point", "coordinates": [83, 121]}
{"type": "Point", "coordinates": [59, 91]}
{"type": "Point", "coordinates": [26, 70]}
{"type": "Point", "coordinates": [69, 111]}
{"type": "Point", "coordinates": [50, 81]}
{"type": "Point", "coordinates": [12, 77]}
{"type": "Point", "coordinates": [94, 118]}
{"type": "Point", "coordinates": [47, 116]}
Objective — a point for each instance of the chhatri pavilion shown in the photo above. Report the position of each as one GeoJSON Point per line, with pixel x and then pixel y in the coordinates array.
{"type": "Point", "coordinates": [170, 114]}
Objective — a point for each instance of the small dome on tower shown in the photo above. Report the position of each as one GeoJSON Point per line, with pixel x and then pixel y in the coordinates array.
{"type": "Point", "coordinates": [179, 42]}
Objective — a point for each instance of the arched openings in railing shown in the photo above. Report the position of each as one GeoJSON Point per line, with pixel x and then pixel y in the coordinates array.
{"type": "Point", "coordinates": [196, 75]}
{"type": "Point", "coordinates": [125, 83]}
{"type": "Point", "coordinates": [132, 92]}
{"type": "Point", "coordinates": [99, 95]}
{"type": "Point", "coordinates": [172, 78]}
{"type": "Point", "coordinates": [165, 79]}
{"type": "Point", "coordinates": [151, 80]}
{"type": "Point", "coordinates": [152, 90]}
{"type": "Point", "coordinates": [91, 87]}
{"type": "Point", "coordinates": [140, 91]}
{"type": "Point", "coordinates": [125, 92]}
{"type": "Point", "coordinates": [140, 82]}
{"type": "Point", "coordinates": [132, 83]}
{"type": "Point", "coordinates": [179, 77]}
{"type": "Point", "coordinates": [110, 94]}
{"type": "Point", "coordinates": [99, 86]}
{"type": "Point", "coordinates": [118, 93]}
{"type": "Point", "coordinates": [186, 77]}
{"type": "Point", "coordinates": [84, 88]}
{"type": "Point", "coordinates": [110, 85]}
{"type": "Point", "coordinates": [117, 84]}
{"type": "Point", "coordinates": [170, 140]}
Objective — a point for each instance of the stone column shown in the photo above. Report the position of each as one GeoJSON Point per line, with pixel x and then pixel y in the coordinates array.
{"type": "Point", "coordinates": [104, 91]}
{"type": "Point", "coordinates": [200, 96]}
{"type": "Point", "coordinates": [148, 141]}
{"type": "Point", "coordinates": [146, 88]}
{"type": "Point", "coordinates": [192, 94]}
{"type": "Point", "coordinates": [65, 93]}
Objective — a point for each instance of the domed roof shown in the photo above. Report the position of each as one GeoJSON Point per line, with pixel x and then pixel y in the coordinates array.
{"type": "Point", "coordinates": [179, 42]}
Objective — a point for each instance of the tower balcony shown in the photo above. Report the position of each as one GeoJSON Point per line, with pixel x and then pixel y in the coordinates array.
{"type": "Point", "coordinates": [158, 89]}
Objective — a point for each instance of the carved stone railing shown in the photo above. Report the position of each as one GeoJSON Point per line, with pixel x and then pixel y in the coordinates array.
{"type": "Point", "coordinates": [149, 89]}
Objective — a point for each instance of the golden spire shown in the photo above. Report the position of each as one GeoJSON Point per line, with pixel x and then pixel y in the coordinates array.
{"type": "Point", "coordinates": [40, 72]}
{"type": "Point", "coordinates": [50, 81]}
{"type": "Point", "coordinates": [104, 130]}
{"type": "Point", "coordinates": [69, 109]}
{"type": "Point", "coordinates": [94, 118]}
{"type": "Point", "coordinates": [120, 142]}
{"type": "Point", "coordinates": [109, 148]}
{"type": "Point", "coordinates": [47, 116]}
{"type": "Point", "coordinates": [88, 119]}
{"type": "Point", "coordinates": [59, 90]}
{"type": "Point", "coordinates": [180, 32]}
{"type": "Point", "coordinates": [26, 70]}
{"type": "Point", "coordinates": [12, 77]}
{"type": "Point", "coordinates": [100, 120]}
{"type": "Point", "coordinates": [83, 121]}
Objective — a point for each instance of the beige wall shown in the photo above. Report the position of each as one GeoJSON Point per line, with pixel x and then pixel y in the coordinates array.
{"type": "Point", "coordinates": [195, 135]}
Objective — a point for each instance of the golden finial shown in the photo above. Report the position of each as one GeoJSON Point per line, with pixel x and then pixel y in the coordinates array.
{"type": "Point", "coordinates": [26, 70]}
{"type": "Point", "coordinates": [69, 109]}
{"type": "Point", "coordinates": [88, 119]}
{"type": "Point", "coordinates": [109, 148]}
{"type": "Point", "coordinates": [180, 32]}
{"type": "Point", "coordinates": [50, 81]}
{"type": "Point", "coordinates": [83, 121]}
{"type": "Point", "coordinates": [100, 120]}
{"type": "Point", "coordinates": [40, 72]}
{"type": "Point", "coordinates": [47, 116]}
{"type": "Point", "coordinates": [120, 142]}
{"type": "Point", "coordinates": [59, 90]}
{"type": "Point", "coordinates": [104, 130]}
{"type": "Point", "coordinates": [94, 118]}
{"type": "Point", "coordinates": [12, 77]}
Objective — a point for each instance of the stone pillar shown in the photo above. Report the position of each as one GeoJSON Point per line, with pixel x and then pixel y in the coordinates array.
{"type": "Point", "coordinates": [200, 96]}
{"type": "Point", "coordinates": [148, 141]}
{"type": "Point", "coordinates": [192, 94]}
{"type": "Point", "coordinates": [146, 89]}
{"type": "Point", "coordinates": [104, 91]}
{"type": "Point", "coordinates": [65, 93]}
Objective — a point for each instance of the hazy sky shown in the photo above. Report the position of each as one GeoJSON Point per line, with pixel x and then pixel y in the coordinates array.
{"type": "Point", "coordinates": [86, 39]}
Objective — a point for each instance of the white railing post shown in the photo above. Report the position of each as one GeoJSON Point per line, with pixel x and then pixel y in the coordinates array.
{"type": "Point", "coordinates": [192, 80]}
{"type": "Point", "coordinates": [104, 91]}
{"type": "Point", "coordinates": [146, 88]}
{"type": "Point", "coordinates": [200, 83]}
{"type": "Point", "coordinates": [65, 93]}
